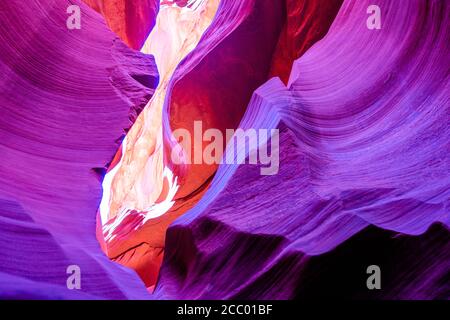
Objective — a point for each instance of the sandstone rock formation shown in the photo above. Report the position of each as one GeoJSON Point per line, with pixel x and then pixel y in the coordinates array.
{"type": "Point", "coordinates": [364, 162]}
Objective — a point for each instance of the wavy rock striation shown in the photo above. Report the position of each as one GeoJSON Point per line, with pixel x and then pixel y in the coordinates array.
{"type": "Point", "coordinates": [363, 176]}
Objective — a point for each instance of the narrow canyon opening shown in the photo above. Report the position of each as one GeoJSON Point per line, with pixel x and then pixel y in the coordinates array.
{"type": "Point", "coordinates": [139, 184]}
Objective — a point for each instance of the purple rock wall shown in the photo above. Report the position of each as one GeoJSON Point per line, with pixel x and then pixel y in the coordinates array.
{"type": "Point", "coordinates": [66, 98]}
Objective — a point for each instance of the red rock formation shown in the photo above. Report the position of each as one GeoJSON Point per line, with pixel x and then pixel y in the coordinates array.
{"type": "Point", "coordinates": [214, 84]}
{"type": "Point", "coordinates": [67, 98]}
{"type": "Point", "coordinates": [131, 20]}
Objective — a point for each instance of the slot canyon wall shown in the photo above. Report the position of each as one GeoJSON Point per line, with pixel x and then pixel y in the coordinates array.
{"type": "Point", "coordinates": [363, 120]}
